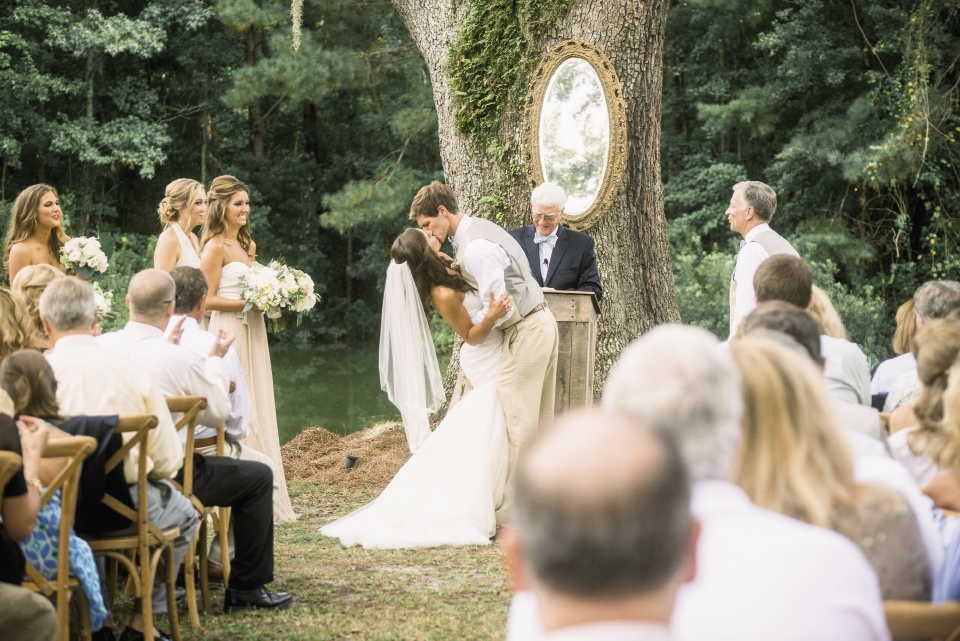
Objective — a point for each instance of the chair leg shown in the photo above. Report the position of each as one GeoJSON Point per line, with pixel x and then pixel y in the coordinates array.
{"type": "Point", "coordinates": [113, 570]}
{"type": "Point", "coordinates": [84, 631]}
{"type": "Point", "coordinates": [204, 568]}
{"type": "Point", "coordinates": [172, 593]}
{"type": "Point", "coordinates": [147, 572]}
{"type": "Point", "coordinates": [63, 611]}
{"type": "Point", "coordinates": [190, 582]}
{"type": "Point", "coordinates": [225, 544]}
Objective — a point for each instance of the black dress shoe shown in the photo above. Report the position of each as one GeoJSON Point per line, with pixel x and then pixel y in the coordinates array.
{"type": "Point", "coordinates": [106, 633]}
{"type": "Point", "coordinates": [129, 634]}
{"type": "Point", "coordinates": [260, 597]}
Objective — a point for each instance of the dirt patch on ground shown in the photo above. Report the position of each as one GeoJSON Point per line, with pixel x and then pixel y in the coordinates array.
{"type": "Point", "coordinates": [317, 454]}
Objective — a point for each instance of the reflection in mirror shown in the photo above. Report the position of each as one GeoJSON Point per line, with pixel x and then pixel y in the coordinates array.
{"type": "Point", "coordinates": [575, 133]}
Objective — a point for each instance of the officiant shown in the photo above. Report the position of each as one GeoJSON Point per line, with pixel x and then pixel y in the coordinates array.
{"type": "Point", "coordinates": [560, 258]}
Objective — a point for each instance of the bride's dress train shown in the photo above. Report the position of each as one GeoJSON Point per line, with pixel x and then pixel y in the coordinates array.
{"type": "Point", "coordinates": [448, 492]}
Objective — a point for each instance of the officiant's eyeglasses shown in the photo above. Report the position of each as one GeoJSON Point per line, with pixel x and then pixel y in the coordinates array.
{"type": "Point", "coordinates": [549, 219]}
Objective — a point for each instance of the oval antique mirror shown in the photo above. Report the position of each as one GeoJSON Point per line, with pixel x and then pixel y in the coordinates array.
{"type": "Point", "coordinates": [574, 130]}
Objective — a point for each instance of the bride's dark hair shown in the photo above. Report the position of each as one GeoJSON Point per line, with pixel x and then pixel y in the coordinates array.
{"type": "Point", "coordinates": [427, 267]}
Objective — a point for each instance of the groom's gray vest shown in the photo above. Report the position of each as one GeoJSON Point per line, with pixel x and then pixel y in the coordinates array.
{"type": "Point", "coordinates": [525, 292]}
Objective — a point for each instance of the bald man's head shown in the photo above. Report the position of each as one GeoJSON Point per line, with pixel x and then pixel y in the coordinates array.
{"type": "Point", "coordinates": [149, 295]}
{"type": "Point", "coordinates": [602, 506]}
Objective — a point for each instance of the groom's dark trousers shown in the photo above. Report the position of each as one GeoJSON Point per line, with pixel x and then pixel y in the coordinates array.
{"type": "Point", "coordinates": [247, 487]}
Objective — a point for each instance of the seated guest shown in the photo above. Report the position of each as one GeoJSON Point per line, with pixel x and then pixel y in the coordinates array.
{"type": "Point", "coordinates": [92, 380]}
{"type": "Point", "coordinates": [24, 615]}
{"type": "Point", "coordinates": [16, 328]}
{"type": "Point", "coordinates": [246, 486]}
{"type": "Point", "coordinates": [28, 379]}
{"type": "Point", "coordinates": [781, 316]}
{"type": "Point", "coordinates": [560, 258]}
{"type": "Point", "coordinates": [603, 537]}
{"type": "Point", "coordinates": [760, 575]}
{"type": "Point", "coordinates": [29, 285]}
{"type": "Point", "coordinates": [891, 369]}
{"type": "Point", "coordinates": [794, 461]}
{"type": "Point", "coordinates": [933, 300]}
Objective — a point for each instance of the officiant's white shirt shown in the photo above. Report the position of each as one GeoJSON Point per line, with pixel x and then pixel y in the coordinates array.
{"type": "Point", "coordinates": [199, 342]}
{"type": "Point", "coordinates": [176, 370]}
{"type": "Point", "coordinates": [760, 576]}
{"type": "Point", "coordinates": [486, 261]}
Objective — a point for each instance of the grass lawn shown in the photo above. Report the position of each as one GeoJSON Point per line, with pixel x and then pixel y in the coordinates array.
{"type": "Point", "coordinates": [440, 593]}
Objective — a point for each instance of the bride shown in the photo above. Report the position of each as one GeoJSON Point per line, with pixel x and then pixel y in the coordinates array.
{"type": "Point", "coordinates": [448, 491]}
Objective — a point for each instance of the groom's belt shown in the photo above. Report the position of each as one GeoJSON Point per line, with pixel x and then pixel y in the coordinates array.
{"type": "Point", "coordinates": [536, 309]}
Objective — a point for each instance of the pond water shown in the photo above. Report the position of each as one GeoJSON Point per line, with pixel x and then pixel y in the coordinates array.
{"type": "Point", "coordinates": [336, 389]}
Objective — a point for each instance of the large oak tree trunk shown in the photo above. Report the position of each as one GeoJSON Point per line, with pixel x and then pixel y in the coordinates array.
{"type": "Point", "coordinates": [631, 240]}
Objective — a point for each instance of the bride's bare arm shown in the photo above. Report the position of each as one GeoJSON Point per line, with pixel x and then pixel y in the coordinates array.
{"type": "Point", "coordinates": [449, 304]}
{"type": "Point", "coordinates": [211, 264]}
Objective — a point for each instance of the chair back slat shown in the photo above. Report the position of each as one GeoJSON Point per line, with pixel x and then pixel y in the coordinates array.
{"type": "Point", "coordinates": [922, 620]}
{"type": "Point", "coordinates": [140, 425]}
{"type": "Point", "coordinates": [10, 462]}
{"type": "Point", "coordinates": [191, 406]}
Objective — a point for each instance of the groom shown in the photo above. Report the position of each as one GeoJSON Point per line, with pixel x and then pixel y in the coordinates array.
{"type": "Point", "coordinates": [493, 262]}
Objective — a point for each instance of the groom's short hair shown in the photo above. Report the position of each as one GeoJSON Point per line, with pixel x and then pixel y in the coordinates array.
{"type": "Point", "coordinates": [602, 506]}
{"type": "Point", "coordinates": [430, 198]}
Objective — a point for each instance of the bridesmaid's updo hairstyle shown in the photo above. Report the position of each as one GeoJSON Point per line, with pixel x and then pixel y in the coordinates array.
{"type": "Point", "coordinates": [215, 224]}
{"type": "Point", "coordinates": [23, 222]}
{"type": "Point", "coordinates": [177, 199]}
{"type": "Point", "coordinates": [427, 267]}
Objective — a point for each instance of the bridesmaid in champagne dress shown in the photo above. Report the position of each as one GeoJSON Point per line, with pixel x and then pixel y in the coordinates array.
{"type": "Point", "coordinates": [182, 208]}
{"type": "Point", "coordinates": [35, 235]}
{"type": "Point", "coordinates": [226, 253]}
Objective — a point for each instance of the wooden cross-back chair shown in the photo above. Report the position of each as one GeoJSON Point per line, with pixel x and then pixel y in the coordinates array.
{"type": "Point", "coordinates": [922, 620]}
{"type": "Point", "coordinates": [191, 406]}
{"type": "Point", "coordinates": [9, 464]}
{"type": "Point", "coordinates": [149, 542]}
{"type": "Point", "coordinates": [74, 449]}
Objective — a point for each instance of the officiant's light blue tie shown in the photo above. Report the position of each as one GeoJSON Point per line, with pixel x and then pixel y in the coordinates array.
{"type": "Point", "coordinates": [540, 238]}
{"type": "Point", "coordinates": [743, 241]}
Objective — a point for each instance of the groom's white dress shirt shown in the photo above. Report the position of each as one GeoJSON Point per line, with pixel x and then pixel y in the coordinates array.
{"type": "Point", "coordinates": [177, 370]}
{"type": "Point", "coordinates": [611, 631]}
{"type": "Point", "coordinates": [485, 260]}
{"type": "Point", "coordinates": [199, 342]}
{"type": "Point", "coordinates": [760, 576]}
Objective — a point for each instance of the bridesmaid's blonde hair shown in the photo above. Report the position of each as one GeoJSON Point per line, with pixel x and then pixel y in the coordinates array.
{"type": "Point", "coordinates": [221, 190]}
{"type": "Point", "coordinates": [29, 285]}
{"type": "Point", "coordinates": [793, 459]}
{"type": "Point", "coordinates": [178, 197]}
{"type": "Point", "coordinates": [23, 222]}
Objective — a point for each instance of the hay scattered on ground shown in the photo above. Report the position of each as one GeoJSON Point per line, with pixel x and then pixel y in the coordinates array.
{"type": "Point", "coordinates": [317, 454]}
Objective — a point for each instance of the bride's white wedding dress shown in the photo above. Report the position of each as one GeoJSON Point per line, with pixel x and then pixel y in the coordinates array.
{"type": "Point", "coordinates": [448, 491]}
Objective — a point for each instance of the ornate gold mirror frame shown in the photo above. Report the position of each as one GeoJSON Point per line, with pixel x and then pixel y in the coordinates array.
{"type": "Point", "coordinates": [616, 116]}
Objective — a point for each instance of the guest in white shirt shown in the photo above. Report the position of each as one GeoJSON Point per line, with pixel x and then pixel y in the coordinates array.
{"type": "Point", "coordinates": [95, 381]}
{"type": "Point", "coordinates": [751, 208]}
{"type": "Point", "coordinates": [891, 369]}
{"type": "Point", "coordinates": [244, 486]}
{"type": "Point", "coordinates": [760, 575]}
{"type": "Point", "coordinates": [604, 536]}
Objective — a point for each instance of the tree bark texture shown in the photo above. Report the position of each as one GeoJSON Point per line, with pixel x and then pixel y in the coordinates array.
{"type": "Point", "coordinates": [632, 249]}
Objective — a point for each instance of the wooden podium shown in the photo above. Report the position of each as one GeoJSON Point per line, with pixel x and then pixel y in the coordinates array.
{"type": "Point", "coordinates": [576, 314]}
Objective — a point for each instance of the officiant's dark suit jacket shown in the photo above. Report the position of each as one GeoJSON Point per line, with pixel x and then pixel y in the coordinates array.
{"type": "Point", "coordinates": [573, 264]}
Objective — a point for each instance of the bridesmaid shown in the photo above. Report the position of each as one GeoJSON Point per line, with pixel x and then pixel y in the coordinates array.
{"type": "Point", "coordinates": [182, 209]}
{"type": "Point", "coordinates": [35, 236]}
{"type": "Point", "coordinates": [226, 253]}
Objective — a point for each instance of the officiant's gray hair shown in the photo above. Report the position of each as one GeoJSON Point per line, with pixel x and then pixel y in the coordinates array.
{"type": "Point", "coordinates": [549, 195]}
{"type": "Point", "coordinates": [68, 304]}
{"type": "Point", "coordinates": [677, 379]}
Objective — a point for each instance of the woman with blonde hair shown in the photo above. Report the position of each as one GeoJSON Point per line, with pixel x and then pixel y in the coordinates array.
{"type": "Point", "coordinates": [35, 236]}
{"type": "Point", "coordinates": [846, 367]}
{"type": "Point", "coordinates": [891, 369]}
{"type": "Point", "coordinates": [29, 285]}
{"type": "Point", "coordinates": [794, 460]}
{"type": "Point", "coordinates": [16, 329]}
{"type": "Point", "coordinates": [182, 208]}
{"type": "Point", "coordinates": [226, 253]}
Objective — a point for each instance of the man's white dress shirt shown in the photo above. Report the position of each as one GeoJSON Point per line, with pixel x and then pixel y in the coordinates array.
{"type": "Point", "coordinates": [94, 381]}
{"type": "Point", "coordinates": [760, 576]}
{"type": "Point", "coordinates": [748, 260]}
{"type": "Point", "coordinates": [199, 342]}
{"type": "Point", "coordinates": [486, 261]}
{"type": "Point", "coordinates": [890, 370]}
{"type": "Point", "coordinates": [611, 631]}
{"type": "Point", "coordinates": [177, 370]}
{"type": "Point", "coordinates": [546, 253]}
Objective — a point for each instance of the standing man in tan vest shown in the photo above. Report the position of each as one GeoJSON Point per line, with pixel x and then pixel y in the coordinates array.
{"type": "Point", "coordinates": [492, 262]}
{"type": "Point", "coordinates": [751, 208]}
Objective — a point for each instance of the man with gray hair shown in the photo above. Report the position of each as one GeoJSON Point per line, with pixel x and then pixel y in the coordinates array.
{"type": "Point", "coordinates": [560, 258]}
{"type": "Point", "coordinates": [603, 530]}
{"type": "Point", "coordinates": [95, 381]}
{"type": "Point", "coordinates": [751, 208]}
{"type": "Point", "coordinates": [760, 575]}
{"type": "Point", "coordinates": [895, 382]}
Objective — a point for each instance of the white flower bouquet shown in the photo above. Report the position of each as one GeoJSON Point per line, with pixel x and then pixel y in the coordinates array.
{"type": "Point", "coordinates": [104, 301]}
{"type": "Point", "coordinates": [274, 287]}
{"type": "Point", "coordinates": [84, 256]}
